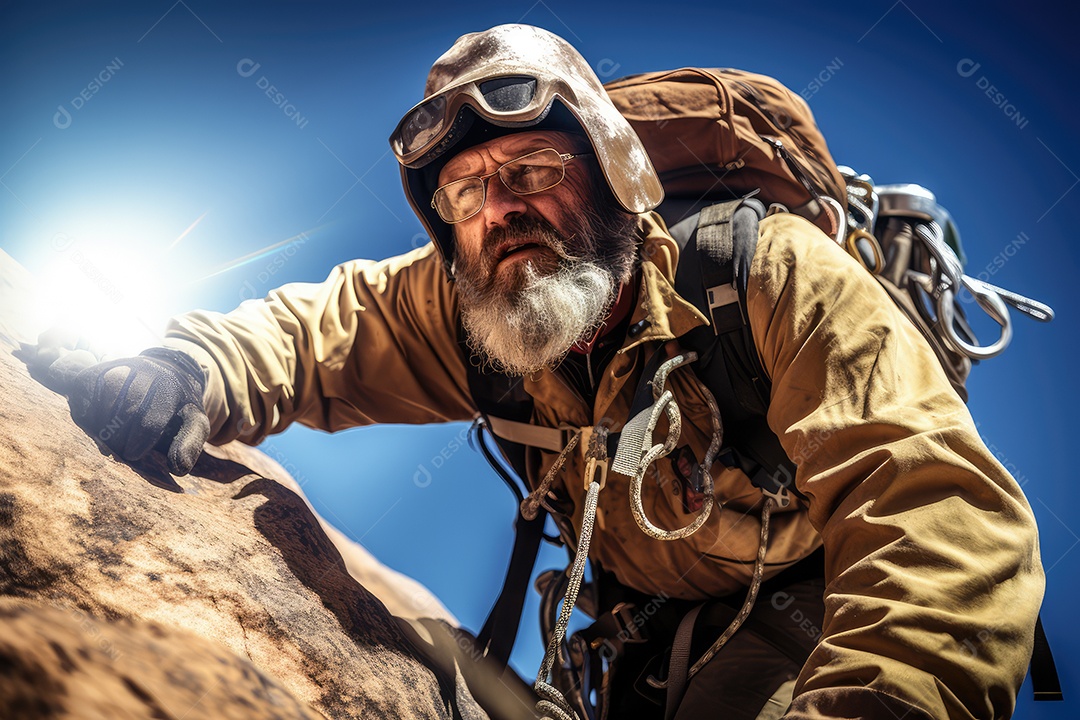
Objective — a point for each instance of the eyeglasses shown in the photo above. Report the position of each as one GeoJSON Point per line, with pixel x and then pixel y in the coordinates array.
{"type": "Point", "coordinates": [532, 173]}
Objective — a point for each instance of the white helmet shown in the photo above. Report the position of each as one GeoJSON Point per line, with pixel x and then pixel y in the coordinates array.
{"type": "Point", "coordinates": [504, 80]}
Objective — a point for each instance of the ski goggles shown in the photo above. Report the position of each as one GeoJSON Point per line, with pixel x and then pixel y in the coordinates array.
{"type": "Point", "coordinates": [435, 124]}
{"type": "Point", "coordinates": [532, 173]}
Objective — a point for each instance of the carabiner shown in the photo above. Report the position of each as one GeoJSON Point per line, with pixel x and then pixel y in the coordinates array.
{"type": "Point", "coordinates": [994, 307]}
{"type": "Point", "coordinates": [1032, 308]}
{"type": "Point", "coordinates": [865, 248]}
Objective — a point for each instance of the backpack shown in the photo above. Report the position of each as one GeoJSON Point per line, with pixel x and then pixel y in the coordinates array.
{"type": "Point", "coordinates": [716, 138]}
{"type": "Point", "coordinates": [750, 134]}
{"type": "Point", "coordinates": [719, 134]}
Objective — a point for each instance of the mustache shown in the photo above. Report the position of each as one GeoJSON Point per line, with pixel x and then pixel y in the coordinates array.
{"type": "Point", "coordinates": [528, 229]}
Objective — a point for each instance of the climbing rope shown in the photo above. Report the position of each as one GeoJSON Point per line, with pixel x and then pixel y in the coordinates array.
{"type": "Point", "coordinates": [530, 506]}
{"type": "Point", "coordinates": [635, 455]}
{"type": "Point", "coordinates": [553, 701]}
{"type": "Point", "coordinates": [751, 595]}
{"type": "Point", "coordinates": [747, 606]}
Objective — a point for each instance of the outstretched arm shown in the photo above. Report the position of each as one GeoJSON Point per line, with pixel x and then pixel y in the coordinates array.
{"type": "Point", "coordinates": [374, 342]}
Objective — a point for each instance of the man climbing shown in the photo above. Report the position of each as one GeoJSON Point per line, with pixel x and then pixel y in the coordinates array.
{"type": "Point", "coordinates": [902, 581]}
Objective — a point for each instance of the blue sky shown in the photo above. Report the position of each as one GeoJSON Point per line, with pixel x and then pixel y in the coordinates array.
{"type": "Point", "coordinates": [145, 154]}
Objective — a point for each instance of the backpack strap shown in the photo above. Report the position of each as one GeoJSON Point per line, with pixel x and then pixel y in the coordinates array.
{"type": "Point", "coordinates": [1044, 677]}
{"type": "Point", "coordinates": [716, 249]}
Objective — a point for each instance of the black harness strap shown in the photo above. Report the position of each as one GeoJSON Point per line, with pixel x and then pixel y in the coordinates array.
{"type": "Point", "coordinates": [716, 249]}
{"type": "Point", "coordinates": [505, 615]}
{"type": "Point", "coordinates": [504, 397]}
{"type": "Point", "coordinates": [1044, 677]}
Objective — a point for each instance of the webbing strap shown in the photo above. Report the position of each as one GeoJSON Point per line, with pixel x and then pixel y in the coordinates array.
{"type": "Point", "coordinates": [1044, 677]}
{"type": "Point", "coordinates": [679, 666]}
{"type": "Point", "coordinates": [505, 615]}
{"type": "Point", "coordinates": [634, 439]}
{"type": "Point", "coordinates": [548, 438]}
{"type": "Point", "coordinates": [715, 241]}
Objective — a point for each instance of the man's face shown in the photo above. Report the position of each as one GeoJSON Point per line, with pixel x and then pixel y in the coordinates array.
{"type": "Point", "coordinates": [491, 240]}
{"type": "Point", "coordinates": [536, 273]}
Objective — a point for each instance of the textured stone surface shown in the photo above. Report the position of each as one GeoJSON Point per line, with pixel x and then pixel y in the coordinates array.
{"type": "Point", "coordinates": [226, 554]}
{"type": "Point", "coordinates": [58, 662]}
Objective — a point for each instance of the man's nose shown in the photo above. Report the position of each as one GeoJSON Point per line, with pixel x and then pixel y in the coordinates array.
{"type": "Point", "coordinates": [501, 204]}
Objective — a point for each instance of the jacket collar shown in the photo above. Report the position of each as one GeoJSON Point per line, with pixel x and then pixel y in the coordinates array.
{"type": "Point", "coordinates": [664, 313]}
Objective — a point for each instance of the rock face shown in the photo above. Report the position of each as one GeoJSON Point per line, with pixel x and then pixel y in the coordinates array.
{"type": "Point", "coordinates": [220, 592]}
{"type": "Point", "coordinates": [58, 663]}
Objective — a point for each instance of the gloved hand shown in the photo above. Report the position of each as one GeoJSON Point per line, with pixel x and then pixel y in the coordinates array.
{"type": "Point", "coordinates": [60, 354]}
{"type": "Point", "coordinates": [133, 403]}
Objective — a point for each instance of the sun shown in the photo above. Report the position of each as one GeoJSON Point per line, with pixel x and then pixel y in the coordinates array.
{"type": "Point", "coordinates": [113, 282]}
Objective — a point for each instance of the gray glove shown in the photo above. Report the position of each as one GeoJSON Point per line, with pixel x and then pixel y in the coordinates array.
{"type": "Point", "coordinates": [136, 403]}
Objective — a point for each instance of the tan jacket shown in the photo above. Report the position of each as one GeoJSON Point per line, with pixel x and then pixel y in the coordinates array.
{"type": "Point", "coordinates": [932, 564]}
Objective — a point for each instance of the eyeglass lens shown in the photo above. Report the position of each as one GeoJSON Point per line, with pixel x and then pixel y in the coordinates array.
{"type": "Point", "coordinates": [532, 173]}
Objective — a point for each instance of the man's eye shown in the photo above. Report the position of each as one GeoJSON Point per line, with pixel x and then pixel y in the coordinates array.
{"type": "Point", "coordinates": [463, 191]}
{"type": "Point", "coordinates": [514, 174]}
{"type": "Point", "coordinates": [531, 178]}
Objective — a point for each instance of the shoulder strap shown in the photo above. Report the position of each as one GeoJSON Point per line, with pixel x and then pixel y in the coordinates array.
{"type": "Point", "coordinates": [1044, 677]}
{"type": "Point", "coordinates": [504, 396]}
{"type": "Point", "coordinates": [716, 249]}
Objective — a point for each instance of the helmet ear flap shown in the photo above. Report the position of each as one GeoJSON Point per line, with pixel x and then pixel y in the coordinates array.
{"type": "Point", "coordinates": [439, 232]}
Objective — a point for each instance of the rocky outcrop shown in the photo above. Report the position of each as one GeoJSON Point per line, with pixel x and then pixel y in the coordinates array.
{"type": "Point", "coordinates": [128, 592]}
{"type": "Point", "coordinates": [58, 662]}
{"type": "Point", "coordinates": [225, 553]}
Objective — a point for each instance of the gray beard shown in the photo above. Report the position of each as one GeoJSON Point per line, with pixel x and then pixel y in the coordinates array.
{"type": "Point", "coordinates": [528, 322]}
{"type": "Point", "coordinates": [523, 332]}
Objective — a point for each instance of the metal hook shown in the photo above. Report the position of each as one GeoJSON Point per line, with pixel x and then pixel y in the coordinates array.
{"type": "Point", "coordinates": [994, 307]}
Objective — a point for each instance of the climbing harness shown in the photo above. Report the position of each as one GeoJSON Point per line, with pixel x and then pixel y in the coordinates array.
{"type": "Point", "coordinates": [635, 454]}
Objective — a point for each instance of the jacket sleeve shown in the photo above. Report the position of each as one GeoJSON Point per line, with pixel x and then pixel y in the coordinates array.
{"type": "Point", "coordinates": [933, 578]}
{"type": "Point", "coordinates": [373, 343]}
